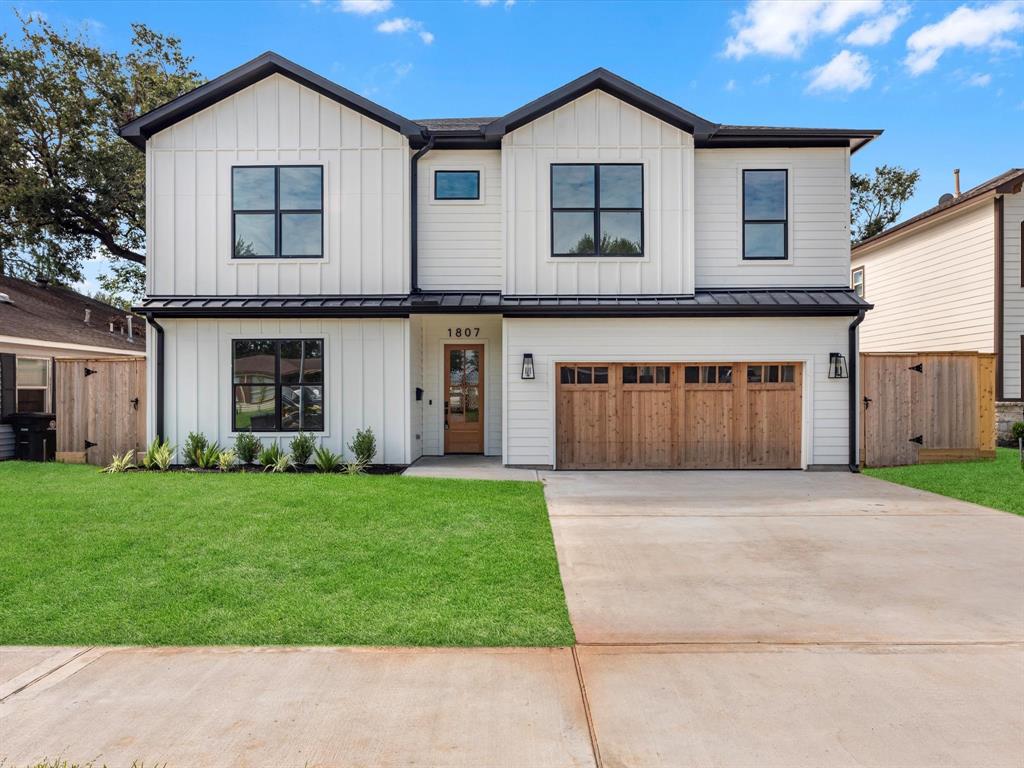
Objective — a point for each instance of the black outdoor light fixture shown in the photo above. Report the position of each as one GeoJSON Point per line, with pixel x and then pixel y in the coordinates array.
{"type": "Point", "coordinates": [837, 366]}
{"type": "Point", "coordinates": [528, 365]}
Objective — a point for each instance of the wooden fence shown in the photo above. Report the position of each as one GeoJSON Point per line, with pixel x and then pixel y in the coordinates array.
{"type": "Point", "coordinates": [101, 408]}
{"type": "Point", "coordinates": [927, 407]}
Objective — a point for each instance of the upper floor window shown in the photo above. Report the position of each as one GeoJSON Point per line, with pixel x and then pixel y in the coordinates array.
{"type": "Point", "coordinates": [277, 211]}
{"type": "Point", "coordinates": [278, 385]}
{"type": "Point", "coordinates": [597, 209]}
{"type": "Point", "coordinates": [456, 185]}
{"type": "Point", "coordinates": [765, 214]}
{"type": "Point", "coordinates": [32, 380]}
{"type": "Point", "coordinates": [857, 281]}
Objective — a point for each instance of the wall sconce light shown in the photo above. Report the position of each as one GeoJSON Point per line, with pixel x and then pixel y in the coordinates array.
{"type": "Point", "coordinates": [837, 366]}
{"type": "Point", "coordinates": [528, 365]}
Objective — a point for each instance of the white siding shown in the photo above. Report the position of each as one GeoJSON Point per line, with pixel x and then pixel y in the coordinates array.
{"type": "Point", "coordinates": [460, 241]}
{"type": "Point", "coordinates": [598, 128]}
{"type": "Point", "coordinates": [932, 289]}
{"type": "Point", "coordinates": [277, 121]}
{"type": "Point", "coordinates": [1013, 296]}
{"type": "Point", "coordinates": [433, 330]}
{"type": "Point", "coordinates": [529, 405]}
{"type": "Point", "coordinates": [819, 218]}
{"type": "Point", "coordinates": [366, 374]}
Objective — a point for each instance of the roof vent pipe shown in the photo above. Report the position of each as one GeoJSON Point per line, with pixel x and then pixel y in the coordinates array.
{"type": "Point", "coordinates": [42, 281]}
{"type": "Point", "coordinates": [129, 319]}
{"type": "Point", "coordinates": [111, 326]}
{"type": "Point", "coordinates": [956, 182]}
{"type": "Point", "coordinates": [88, 314]}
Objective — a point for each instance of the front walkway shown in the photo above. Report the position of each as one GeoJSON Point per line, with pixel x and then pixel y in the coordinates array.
{"type": "Point", "coordinates": [468, 468]}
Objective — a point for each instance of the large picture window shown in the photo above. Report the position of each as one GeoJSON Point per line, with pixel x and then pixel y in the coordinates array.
{"type": "Point", "coordinates": [277, 211]}
{"type": "Point", "coordinates": [278, 385]}
{"type": "Point", "coordinates": [765, 214]}
{"type": "Point", "coordinates": [456, 185]}
{"type": "Point", "coordinates": [597, 209]}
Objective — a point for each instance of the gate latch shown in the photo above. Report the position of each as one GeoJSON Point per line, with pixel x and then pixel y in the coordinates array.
{"type": "Point", "coordinates": [135, 403]}
{"type": "Point", "coordinates": [89, 444]}
{"type": "Point", "coordinates": [919, 368]}
{"type": "Point", "coordinates": [919, 439]}
{"type": "Point", "coordinates": [867, 402]}
{"type": "Point", "coordinates": [89, 371]}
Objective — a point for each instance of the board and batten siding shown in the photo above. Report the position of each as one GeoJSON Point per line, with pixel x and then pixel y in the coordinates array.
{"type": "Point", "coordinates": [598, 128]}
{"type": "Point", "coordinates": [460, 241]}
{"type": "Point", "coordinates": [932, 289]}
{"type": "Point", "coordinates": [1013, 295]}
{"type": "Point", "coordinates": [529, 428]}
{"type": "Point", "coordinates": [366, 379]}
{"type": "Point", "coordinates": [819, 218]}
{"type": "Point", "coordinates": [277, 121]}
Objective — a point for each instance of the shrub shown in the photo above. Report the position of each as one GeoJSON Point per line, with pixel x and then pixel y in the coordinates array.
{"type": "Point", "coordinates": [363, 446]}
{"type": "Point", "coordinates": [270, 455]}
{"type": "Point", "coordinates": [121, 463]}
{"type": "Point", "coordinates": [355, 467]}
{"type": "Point", "coordinates": [326, 460]}
{"type": "Point", "coordinates": [1017, 430]}
{"type": "Point", "coordinates": [282, 464]}
{"type": "Point", "coordinates": [195, 444]}
{"type": "Point", "coordinates": [302, 447]}
{"type": "Point", "coordinates": [209, 457]}
{"type": "Point", "coordinates": [248, 447]}
{"type": "Point", "coordinates": [226, 459]}
{"type": "Point", "coordinates": [159, 455]}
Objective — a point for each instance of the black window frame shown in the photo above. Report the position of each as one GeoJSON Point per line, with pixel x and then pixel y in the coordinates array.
{"type": "Point", "coordinates": [863, 281]}
{"type": "Point", "coordinates": [277, 385]}
{"type": "Point", "coordinates": [783, 221]}
{"type": "Point", "coordinates": [597, 209]}
{"type": "Point", "coordinates": [474, 171]}
{"type": "Point", "coordinates": [277, 212]}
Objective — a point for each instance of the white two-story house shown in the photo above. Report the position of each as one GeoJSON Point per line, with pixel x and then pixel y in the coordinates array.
{"type": "Point", "coordinates": [596, 279]}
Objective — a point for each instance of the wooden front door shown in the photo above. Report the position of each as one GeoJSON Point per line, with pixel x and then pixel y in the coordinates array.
{"type": "Point", "coordinates": [464, 398]}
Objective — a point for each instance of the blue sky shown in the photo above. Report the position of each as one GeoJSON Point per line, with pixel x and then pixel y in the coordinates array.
{"type": "Point", "coordinates": [944, 79]}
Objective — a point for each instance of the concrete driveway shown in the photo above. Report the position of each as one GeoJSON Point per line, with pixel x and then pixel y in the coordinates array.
{"type": "Point", "coordinates": [792, 619]}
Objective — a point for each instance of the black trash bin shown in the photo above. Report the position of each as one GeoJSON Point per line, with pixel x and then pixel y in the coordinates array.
{"type": "Point", "coordinates": [35, 436]}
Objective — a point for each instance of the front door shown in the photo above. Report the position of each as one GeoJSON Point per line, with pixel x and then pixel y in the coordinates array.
{"type": "Point", "coordinates": [464, 398]}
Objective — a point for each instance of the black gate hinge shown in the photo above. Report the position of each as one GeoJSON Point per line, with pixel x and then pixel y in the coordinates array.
{"type": "Point", "coordinates": [919, 368]}
{"type": "Point", "coordinates": [89, 371]}
{"type": "Point", "coordinates": [919, 439]}
{"type": "Point", "coordinates": [89, 444]}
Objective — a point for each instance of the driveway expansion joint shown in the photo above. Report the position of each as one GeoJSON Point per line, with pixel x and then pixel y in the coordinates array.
{"type": "Point", "coordinates": [40, 677]}
{"type": "Point", "coordinates": [586, 708]}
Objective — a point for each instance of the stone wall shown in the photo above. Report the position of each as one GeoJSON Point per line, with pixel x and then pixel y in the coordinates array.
{"type": "Point", "coordinates": [1006, 414]}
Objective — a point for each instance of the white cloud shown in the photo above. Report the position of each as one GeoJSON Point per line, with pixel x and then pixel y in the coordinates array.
{"type": "Point", "coordinates": [979, 80]}
{"type": "Point", "coordinates": [763, 79]}
{"type": "Point", "coordinates": [879, 30]}
{"type": "Point", "coordinates": [509, 4]}
{"type": "Point", "coordinates": [845, 72]}
{"type": "Point", "coordinates": [402, 24]}
{"type": "Point", "coordinates": [364, 7]}
{"type": "Point", "coordinates": [786, 27]}
{"type": "Point", "coordinates": [731, 85]}
{"type": "Point", "coordinates": [966, 27]}
{"type": "Point", "coordinates": [486, 3]}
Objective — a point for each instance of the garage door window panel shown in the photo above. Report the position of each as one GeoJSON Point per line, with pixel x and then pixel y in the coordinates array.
{"type": "Point", "coordinates": [584, 376]}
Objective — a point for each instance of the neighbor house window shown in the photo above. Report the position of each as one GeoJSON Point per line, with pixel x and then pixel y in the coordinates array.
{"type": "Point", "coordinates": [456, 185]}
{"type": "Point", "coordinates": [278, 385]}
{"type": "Point", "coordinates": [765, 214]}
{"type": "Point", "coordinates": [597, 209]}
{"type": "Point", "coordinates": [857, 281]}
{"type": "Point", "coordinates": [32, 381]}
{"type": "Point", "coordinates": [277, 211]}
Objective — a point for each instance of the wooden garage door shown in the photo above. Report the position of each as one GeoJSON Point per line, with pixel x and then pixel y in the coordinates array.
{"type": "Point", "coordinates": [678, 415]}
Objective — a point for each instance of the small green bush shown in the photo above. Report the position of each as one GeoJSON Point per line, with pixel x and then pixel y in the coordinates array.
{"type": "Point", "coordinates": [159, 455]}
{"type": "Point", "coordinates": [209, 457]}
{"type": "Point", "coordinates": [121, 463]}
{"type": "Point", "coordinates": [1017, 430]}
{"type": "Point", "coordinates": [326, 460]}
{"type": "Point", "coordinates": [226, 459]}
{"type": "Point", "coordinates": [270, 455]}
{"type": "Point", "coordinates": [302, 447]}
{"type": "Point", "coordinates": [282, 464]}
{"type": "Point", "coordinates": [363, 446]}
{"type": "Point", "coordinates": [248, 447]}
{"type": "Point", "coordinates": [195, 444]}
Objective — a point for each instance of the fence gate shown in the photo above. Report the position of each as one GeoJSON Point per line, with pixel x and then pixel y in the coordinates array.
{"type": "Point", "coordinates": [927, 407]}
{"type": "Point", "coordinates": [101, 408]}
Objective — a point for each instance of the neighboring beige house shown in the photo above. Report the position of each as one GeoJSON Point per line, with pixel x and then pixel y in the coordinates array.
{"type": "Point", "coordinates": [952, 279]}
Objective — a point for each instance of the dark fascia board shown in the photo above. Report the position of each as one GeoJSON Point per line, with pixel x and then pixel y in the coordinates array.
{"type": "Point", "coordinates": [263, 66]}
{"type": "Point", "coordinates": [729, 137]}
{"type": "Point", "coordinates": [609, 82]}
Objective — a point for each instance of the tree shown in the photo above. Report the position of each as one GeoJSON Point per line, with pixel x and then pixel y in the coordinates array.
{"type": "Point", "coordinates": [70, 188]}
{"type": "Point", "coordinates": [876, 201]}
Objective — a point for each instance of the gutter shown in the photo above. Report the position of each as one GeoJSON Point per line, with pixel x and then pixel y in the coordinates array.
{"type": "Point", "coordinates": [854, 462]}
{"type": "Point", "coordinates": [414, 279]}
{"type": "Point", "coordinates": [159, 375]}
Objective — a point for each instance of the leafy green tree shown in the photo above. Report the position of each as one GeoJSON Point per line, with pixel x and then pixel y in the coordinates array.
{"type": "Point", "coordinates": [876, 201]}
{"type": "Point", "coordinates": [70, 188]}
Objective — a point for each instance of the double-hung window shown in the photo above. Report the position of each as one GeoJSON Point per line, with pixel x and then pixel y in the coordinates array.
{"type": "Point", "coordinates": [765, 214]}
{"type": "Point", "coordinates": [857, 281]}
{"type": "Point", "coordinates": [278, 385]}
{"type": "Point", "coordinates": [277, 211]}
{"type": "Point", "coordinates": [597, 209]}
{"type": "Point", "coordinates": [32, 381]}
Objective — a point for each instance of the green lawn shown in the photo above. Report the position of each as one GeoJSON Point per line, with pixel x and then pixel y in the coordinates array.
{"type": "Point", "coordinates": [192, 559]}
{"type": "Point", "coordinates": [997, 483]}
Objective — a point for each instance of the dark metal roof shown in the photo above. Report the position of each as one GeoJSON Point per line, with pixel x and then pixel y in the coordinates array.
{"type": "Point", "coordinates": [769, 302]}
{"type": "Point", "coordinates": [441, 125]}
{"type": "Point", "coordinates": [55, 314]}
{"type": "Point", "coordinates": [1010, 181]}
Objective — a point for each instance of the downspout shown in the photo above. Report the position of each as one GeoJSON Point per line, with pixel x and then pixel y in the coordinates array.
{"type": "Point", "coordinates": [159, 375]}
{"type": "Point", "coordinates": [414, 280]}
{"type": "Point", "coordinates": [854, 462]}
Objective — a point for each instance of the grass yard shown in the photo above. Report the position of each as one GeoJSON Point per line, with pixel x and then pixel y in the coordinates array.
{"type": "Point", "coordinates": [995, 483]}
{"type": "Point", "coordinates": [208, 559]}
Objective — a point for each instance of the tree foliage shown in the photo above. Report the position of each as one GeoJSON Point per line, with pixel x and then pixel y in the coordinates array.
{"type": "Point", "coordinates": [70, 188]}
{"type": "Point", "coordinates": [876, 200]}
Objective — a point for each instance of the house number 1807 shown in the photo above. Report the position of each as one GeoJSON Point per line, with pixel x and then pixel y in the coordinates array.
{"type": "Point", "coordinates": [463, 333]}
